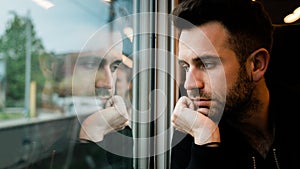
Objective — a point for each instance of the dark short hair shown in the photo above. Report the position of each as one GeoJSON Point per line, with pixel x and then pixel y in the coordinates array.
{"type": "Point", "coordinates": [247, 22]}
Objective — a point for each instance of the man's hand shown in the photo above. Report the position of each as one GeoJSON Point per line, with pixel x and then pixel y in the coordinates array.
{"type": "Point", "coordinates": [201, 127]}
{"type": "Point", "coordinates": [98, 124]}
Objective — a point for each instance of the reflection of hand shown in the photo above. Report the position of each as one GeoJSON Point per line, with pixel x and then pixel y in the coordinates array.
{"type": "Point", "coordinates": [118, 103]}
{"type": "Point", "coordinates": [113, 117]}
{"type": "Point", "coordinates": [185, 119]}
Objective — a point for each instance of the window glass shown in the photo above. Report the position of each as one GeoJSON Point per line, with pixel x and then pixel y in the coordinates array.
{"type": "Point", "coordinates": [43, 45]}
{"type": "Point", "coordinates": [40, 42]}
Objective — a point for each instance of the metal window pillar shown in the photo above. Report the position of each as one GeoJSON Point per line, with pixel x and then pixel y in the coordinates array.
{"type": "Point", "coordinates": [153, 83]}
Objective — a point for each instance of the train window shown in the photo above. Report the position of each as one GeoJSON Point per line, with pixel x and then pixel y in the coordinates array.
{"type": "Point", "coordinates": [40, 41]}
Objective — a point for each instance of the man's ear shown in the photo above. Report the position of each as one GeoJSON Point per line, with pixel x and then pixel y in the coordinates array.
{"type": "Point", "coordinates": [259, 63]}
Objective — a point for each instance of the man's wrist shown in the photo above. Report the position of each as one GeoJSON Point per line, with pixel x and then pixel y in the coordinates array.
{"type": "Point", "coordinates": [92, 138]}
{"type": "Point", "coordinates": [211, 144]}
{"type": "Point", "coordinates": [82, 140]}
{"type": "Point", "coordinates": [208, 139]}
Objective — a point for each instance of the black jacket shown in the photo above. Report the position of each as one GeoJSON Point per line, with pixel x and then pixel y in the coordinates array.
{"type": "Point", "coordinates": [101, 155]}
{"type": "Point", "coordinates": [235, 151]}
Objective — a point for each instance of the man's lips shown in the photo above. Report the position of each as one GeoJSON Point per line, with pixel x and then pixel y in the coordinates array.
{"type": "Point", "coordinates": [202, 105]}
{"type": "Point", "coordinates": [201, 102]}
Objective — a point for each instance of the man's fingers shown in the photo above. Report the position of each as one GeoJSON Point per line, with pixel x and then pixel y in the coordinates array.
{"type": "Point", "coordinates": [185, 102]}
{"type": "Point", "coordinates": [118, 103]}
{"type": "Point", "coordinates": [114, 100]}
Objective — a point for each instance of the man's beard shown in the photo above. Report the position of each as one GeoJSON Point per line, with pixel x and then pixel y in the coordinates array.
{"type": "Point", "coordinates": [102, 95]}
{"type": "Point", "coordinates": [240, 102]}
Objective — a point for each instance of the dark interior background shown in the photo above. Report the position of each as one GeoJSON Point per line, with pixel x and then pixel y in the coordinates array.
{"type": "Point", "coordinates": [284, 69]}
{"type": "Point", "coordinates": [278, 9]}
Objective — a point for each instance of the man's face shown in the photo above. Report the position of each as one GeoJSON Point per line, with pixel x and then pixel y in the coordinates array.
{"type": "Point", "coordinates": [95, 74]}
{"type": "Point", "coordinates": [212, 70]}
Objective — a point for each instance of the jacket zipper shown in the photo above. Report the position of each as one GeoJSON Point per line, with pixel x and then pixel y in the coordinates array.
{"type": "Point", "coordinates": [254, 162]}
{"type": "Point", "coordinates": [275, 159]}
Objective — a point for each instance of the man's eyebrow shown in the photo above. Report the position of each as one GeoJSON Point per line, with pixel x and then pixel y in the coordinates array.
{"type": "Point", "coordinates": [119, 61]}
{"type": "Point", "coordinates": [205, 57]}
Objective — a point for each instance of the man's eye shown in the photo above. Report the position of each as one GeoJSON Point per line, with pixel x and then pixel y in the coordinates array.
{"type": "Point", "coordinates": [206, 65]}
{"type": "Point", "coordinates": [209, 65]}
{"type": "Point", "coordinates": [114, 67]}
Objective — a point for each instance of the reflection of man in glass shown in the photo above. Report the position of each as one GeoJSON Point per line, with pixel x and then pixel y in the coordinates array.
{"type": "Point", "coordinates": [94, 76]}
{"type": "Point", "coordinates": [104, 120]}
{"type": "Point", "coordinates": [112, 113]}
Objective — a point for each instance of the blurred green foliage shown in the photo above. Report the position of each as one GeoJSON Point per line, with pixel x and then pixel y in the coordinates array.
{"type": "Point", "coordinates": [13, 48]}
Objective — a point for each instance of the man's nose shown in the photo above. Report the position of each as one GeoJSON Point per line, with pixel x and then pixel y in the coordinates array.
{"type": "Point", "coordinates": [104, 78]}
{"type": "Point", "coordinates": [194, 79]}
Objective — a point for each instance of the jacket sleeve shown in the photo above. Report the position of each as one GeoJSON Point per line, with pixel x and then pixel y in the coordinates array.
{"type": "Point", "coordinates": [181, 150]}
{"type": "Point", "coordinates": [88, 155]}
{"type": "Point", "coordinates": [98, 155]}
{"type": "Point", "coordinates": [187, 155]}
{"type": "Point", "coordinates": [206, 157]}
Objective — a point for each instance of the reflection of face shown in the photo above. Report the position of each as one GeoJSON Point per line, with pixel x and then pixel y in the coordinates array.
{"type": "Point", "coordinates": [207, 60]}
{"type": "Point", "coordinates": [95, 74]}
